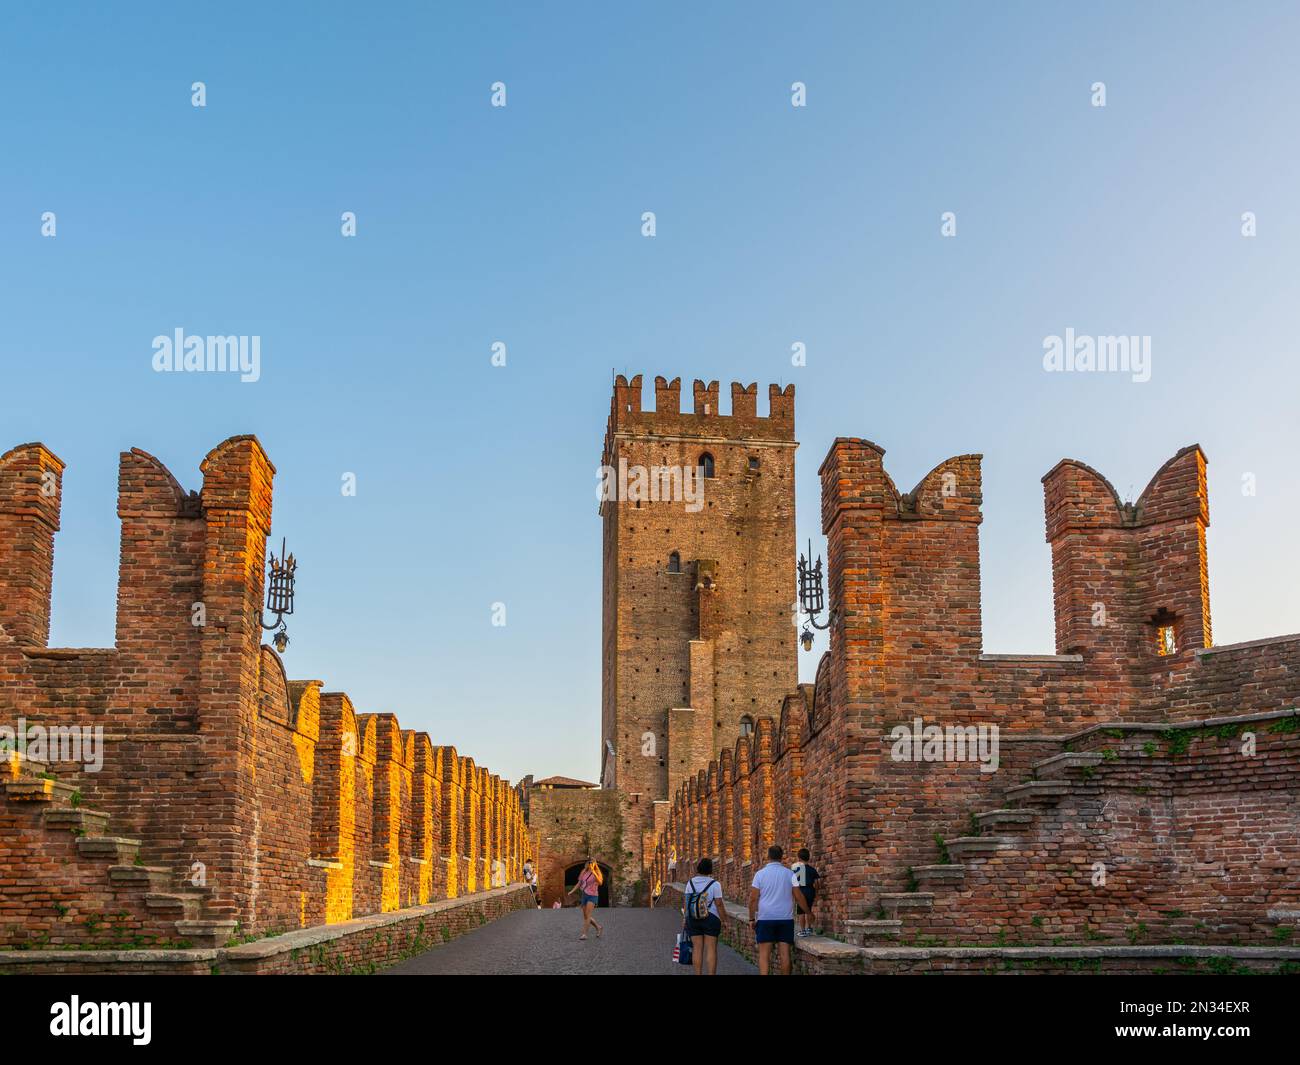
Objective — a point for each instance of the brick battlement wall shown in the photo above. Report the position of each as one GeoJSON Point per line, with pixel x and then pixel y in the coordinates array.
{"type": "Point", "coordinates": [705, 419]}
{"type": "Point", "coordinates": [938, 848]}
{"type": "Point", "coordinates": [276, 803]}
{"type": "Point", "coordinates": [697, 609]}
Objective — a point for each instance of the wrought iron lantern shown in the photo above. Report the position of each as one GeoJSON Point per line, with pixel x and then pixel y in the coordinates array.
{"type": "Point", "coordinates": [812, 598]}
{"type": "Point", "coordinates": [279, 596]}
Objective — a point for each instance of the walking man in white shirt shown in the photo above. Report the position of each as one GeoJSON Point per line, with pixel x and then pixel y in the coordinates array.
{"type": "Point", "coordinates": [772, 903]}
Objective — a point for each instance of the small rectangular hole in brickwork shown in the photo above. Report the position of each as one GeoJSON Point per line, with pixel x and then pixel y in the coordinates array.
{"type": "Point", "coordinates": [1166, 638]}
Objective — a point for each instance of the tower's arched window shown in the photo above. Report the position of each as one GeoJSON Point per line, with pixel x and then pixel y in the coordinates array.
{"type": "Point", "coordinates": [674, 563]}
{"type": "Point", "coordinates": [706, 465]}
{"type": "Point", "coordinates": [746, 726]}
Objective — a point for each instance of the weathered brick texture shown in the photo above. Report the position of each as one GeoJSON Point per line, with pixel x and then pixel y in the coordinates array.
{"type": "Point", "coordinates": [571, 825]}
{"type": "Point", "coordinates": [360, 946]}
{"type": "Point", "coordinates": [1139, 795]}
{"type": "Point", "coordinates": [244, 802]}
{"type": "Point", "coordinates": [698, 624]}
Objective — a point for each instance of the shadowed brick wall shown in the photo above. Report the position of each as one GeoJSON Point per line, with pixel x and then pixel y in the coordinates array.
{"type": "Point", "coordinates": [906, 644]}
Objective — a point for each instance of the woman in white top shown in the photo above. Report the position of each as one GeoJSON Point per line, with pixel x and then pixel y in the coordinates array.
{"type": "Point", "coordinates": [704, 931]}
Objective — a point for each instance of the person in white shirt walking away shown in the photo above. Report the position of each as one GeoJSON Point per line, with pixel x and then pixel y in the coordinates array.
{"type": "Point", "coordinates": [772, 903]}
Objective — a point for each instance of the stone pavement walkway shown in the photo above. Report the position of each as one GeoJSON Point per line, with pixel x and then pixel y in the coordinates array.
{"type": "Point", "coordinates": [545, 942]}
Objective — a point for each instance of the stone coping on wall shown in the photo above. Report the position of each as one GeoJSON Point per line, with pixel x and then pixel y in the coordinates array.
{"type": "Point", "coordinates": [1165, 726]}
{"type": "Point", "coordinates": [36, 962]}
{"type": "Point", "coordinates": [32, 651]}
{"type": "Point", "coordinates": [1201, 652]}
{"type": "Point", "coordinates": [1034, 660]}
{"type": "Point", "coordinates": [1153, 951]}
{"type": "Point", "coordinates": [258, 955]}
{"type": "Point", "coordinates": [1134, 726]}
{"type": "Point", "coordinates": [323, 933]}
{"type": "Point", "coordinates": [1198, 652]}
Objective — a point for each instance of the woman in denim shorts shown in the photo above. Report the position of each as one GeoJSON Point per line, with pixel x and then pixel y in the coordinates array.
{"type": "Point", "coordinates": [589, 881]}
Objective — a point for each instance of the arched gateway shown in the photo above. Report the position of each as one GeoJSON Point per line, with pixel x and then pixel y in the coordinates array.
{"type": "Point", "coordinates": [571, 877]}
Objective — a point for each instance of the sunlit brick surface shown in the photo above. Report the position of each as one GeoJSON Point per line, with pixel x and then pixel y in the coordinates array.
{"type": "Point", "coordinates": [245, 803]}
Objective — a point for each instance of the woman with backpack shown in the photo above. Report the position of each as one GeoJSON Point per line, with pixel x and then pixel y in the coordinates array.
{"type": "Point", "coordinates": [704, 913]}
{"type": "Point", "coordinates": [589, 881]}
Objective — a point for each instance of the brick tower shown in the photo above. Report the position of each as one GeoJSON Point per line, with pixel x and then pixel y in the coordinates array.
{"type": "Point", "coordinates": [699, 636]}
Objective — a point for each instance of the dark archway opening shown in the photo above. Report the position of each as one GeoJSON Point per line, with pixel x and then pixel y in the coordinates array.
{"type": "Point", "coordinates": [571, 878]}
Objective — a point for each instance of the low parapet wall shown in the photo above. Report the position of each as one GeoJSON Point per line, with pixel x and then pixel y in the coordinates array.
{"type": "Point", "coordinates": [823, 956]}
{"type": "Point", "coordinates": [360, 946]}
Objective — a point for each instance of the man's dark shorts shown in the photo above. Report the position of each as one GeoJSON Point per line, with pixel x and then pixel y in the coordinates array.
{"type": "Point", "coordinates": [774, 932]}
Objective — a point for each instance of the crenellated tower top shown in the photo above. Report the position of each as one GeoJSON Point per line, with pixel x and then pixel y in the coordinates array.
{"type": "Point", "coordinates": [705, 420]}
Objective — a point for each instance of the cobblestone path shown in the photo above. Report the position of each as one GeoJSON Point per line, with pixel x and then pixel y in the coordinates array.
{"type": "Point", "coordinates": [545, 942]}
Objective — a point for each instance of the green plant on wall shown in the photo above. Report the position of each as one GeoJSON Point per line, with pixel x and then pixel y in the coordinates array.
{"type": "Point", "coordinates": [944, 857]}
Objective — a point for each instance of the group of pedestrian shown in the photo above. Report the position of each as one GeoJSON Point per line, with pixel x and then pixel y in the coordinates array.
{"type": "Point", "coordinates": [778, 896]}
{"type": "Point", "coordinates": [781, 900]}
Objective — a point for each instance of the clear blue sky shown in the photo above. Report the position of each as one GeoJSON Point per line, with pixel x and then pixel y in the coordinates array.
{"type": "Point", "coordinates": [775, 225]}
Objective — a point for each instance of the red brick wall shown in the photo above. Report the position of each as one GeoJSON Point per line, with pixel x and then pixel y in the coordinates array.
{"type": "Point", "coordinates": [31, 480]}
{"type": "Point", "coordinates": [287, 734]}
{"type": "Point", "coordinates": [1196, 842]}
{"type": "Point", "coordinates": [571, 825]}
{"type": "Point", "coordinates": [903, 581]}
{"type": "Point", "coordinates": [285, 804]}
{"type": "Point", "coordinates": [687, 655]}
{"type": "Point", "coordinates": [361, 946]}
